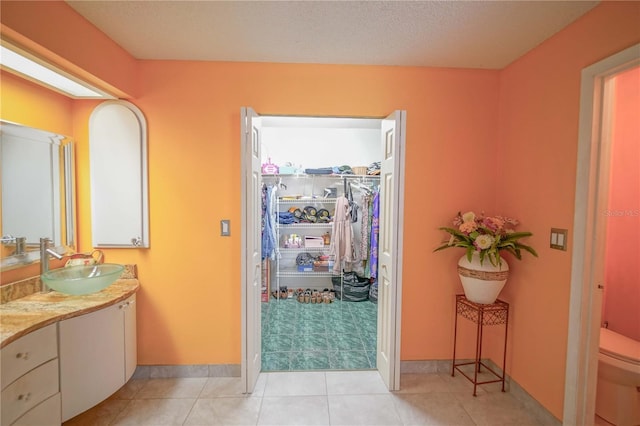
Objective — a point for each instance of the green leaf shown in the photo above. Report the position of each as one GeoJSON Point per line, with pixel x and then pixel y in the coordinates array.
{"type": "Point", "coordinates": [470, 251]}
{"type": "Point", "coordinates": [527, 248]}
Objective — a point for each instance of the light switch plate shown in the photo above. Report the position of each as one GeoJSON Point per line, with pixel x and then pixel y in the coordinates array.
{"type": "Point", "coordinates": [559, 239]}
{"type": "Point", "coordinates": [225, 227]}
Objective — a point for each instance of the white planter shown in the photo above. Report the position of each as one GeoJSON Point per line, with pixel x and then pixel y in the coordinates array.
{"type": "Point", "coordinates": [482, 283]}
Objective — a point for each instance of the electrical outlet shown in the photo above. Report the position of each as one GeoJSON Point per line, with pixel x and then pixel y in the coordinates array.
{"type": "Point", "coordinates": [559, 239]}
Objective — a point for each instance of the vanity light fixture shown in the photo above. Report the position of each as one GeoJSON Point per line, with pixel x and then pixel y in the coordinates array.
{"type": "Point", "coordinates": [19, 63]}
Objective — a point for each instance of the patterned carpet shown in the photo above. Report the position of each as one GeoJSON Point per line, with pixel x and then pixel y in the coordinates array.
{"type": "Point", "coordinates": [334, 336]}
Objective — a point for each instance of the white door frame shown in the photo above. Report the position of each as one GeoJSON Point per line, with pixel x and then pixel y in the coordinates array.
{"type": "Point", "coordinates": [396, 324]}
{"type": "Point", "coordinates": [591, 184]}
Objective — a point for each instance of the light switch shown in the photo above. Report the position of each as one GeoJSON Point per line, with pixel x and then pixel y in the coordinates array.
{"type": "Point", "coordinates": [559, 239]}
{"type": "Point", "coordinates": [225, 227]}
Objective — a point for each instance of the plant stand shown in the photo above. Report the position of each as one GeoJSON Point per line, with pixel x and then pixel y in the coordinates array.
{"type": "Point", "coordinates": [496, 313]}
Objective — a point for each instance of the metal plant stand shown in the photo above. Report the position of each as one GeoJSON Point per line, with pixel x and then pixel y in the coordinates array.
{"type": "Point", "coordinates": [496, 313]}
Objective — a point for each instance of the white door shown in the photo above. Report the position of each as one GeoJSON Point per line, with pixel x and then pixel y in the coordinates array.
{"type": "Point", "coordinates": [390, 249]}
{"type": "Point", "coordinates": [251, 248]}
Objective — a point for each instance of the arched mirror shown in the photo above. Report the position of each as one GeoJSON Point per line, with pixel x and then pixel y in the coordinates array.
{"type": "Point", "coordinates": [38, 193]}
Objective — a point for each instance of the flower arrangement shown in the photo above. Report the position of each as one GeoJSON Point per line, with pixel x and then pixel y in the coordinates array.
{"type": "Point", "coordinates": [486, 235]}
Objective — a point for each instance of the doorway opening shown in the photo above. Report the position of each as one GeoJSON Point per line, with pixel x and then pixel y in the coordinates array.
{"type": "Point", "coordinates": [589, 241]}
{"type": "Point", "coordinates": [314, 315]}
{"type": "Point", "coordinates": [291, 155]}
{"type": "Point", "coordinates": [617, 399]}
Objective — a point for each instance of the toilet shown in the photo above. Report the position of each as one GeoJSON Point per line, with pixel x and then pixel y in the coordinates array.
{"type": "Point", "coordinates": [618, 391]}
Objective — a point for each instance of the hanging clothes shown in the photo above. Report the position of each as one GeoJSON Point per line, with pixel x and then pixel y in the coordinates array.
{"type": "Point", "coordinates": [342, 246]}
{"type": "Point", "coordinates": [375, 229]}
{"type": "Point", "coordinates": [365, 233]}
{"type": "Point", "coordinates": [269, 243]}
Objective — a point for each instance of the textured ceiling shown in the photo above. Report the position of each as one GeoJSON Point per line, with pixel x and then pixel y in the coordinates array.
{"type": "Point", "coordinates": [462, 34]}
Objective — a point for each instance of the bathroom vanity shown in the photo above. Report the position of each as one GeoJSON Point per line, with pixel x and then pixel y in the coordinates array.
{"type": "Point", "coordinates": [62, 355]}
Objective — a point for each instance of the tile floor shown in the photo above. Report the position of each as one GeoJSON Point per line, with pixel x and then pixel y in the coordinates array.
{"type": "Point", "coordinates": [309, 398]}
{"type": "Point", "coordinates": [336, 336]}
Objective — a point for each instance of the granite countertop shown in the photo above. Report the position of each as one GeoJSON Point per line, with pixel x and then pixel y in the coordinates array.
{"type": "Point", "coordinates": [24, 315]}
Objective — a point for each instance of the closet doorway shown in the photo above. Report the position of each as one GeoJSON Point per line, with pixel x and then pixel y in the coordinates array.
{"type": "Point", "coordinates": [388, 146]}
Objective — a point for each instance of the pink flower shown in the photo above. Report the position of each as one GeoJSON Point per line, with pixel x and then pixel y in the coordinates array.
{"type": "Point", "coordinates": [468, 227]}
{"type": "Point", "coordinates": [495, 224]}
{"type": "Point", "coordinates": [509, 220]}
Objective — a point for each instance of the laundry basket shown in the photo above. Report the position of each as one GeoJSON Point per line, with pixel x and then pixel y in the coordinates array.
{"type": "Point", "coordinates": [351, 287]}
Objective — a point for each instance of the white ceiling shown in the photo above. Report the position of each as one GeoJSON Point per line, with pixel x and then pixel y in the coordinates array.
{"type": "Point", "coordinates": [461, 34]}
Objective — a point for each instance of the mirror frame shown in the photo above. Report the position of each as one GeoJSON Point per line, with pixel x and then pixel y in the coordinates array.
{"type": "Point", "coordinates": [66, 203]}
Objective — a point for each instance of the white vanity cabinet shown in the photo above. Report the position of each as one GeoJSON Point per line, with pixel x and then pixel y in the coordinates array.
{"type": "Point", "coordinates": [97, 355]}
{"type": "Point", "coordinates": [30, 386]}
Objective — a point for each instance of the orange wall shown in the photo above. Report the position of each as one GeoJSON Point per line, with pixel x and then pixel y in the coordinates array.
{"type": "Point", "coordinates": [189, 306]}
{"type": "Point", "coordinates": [482, 140]}
{"type": "Point", "coordinates": [539, 105]}
{"type": "Point", "coordinates": [60, 35]}
{"type": "Point", "coordinates": [622, 259]}
{"type": "Point", "coordinates": [32, 105]}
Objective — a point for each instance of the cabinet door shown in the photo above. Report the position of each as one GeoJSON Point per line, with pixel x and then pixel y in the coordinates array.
{"type": "Point", "coordinates": [118, 157]}
{"type": "Point", "coordinates": [91, 359]}
{"type": "Point", "coordinates": [130, 338]}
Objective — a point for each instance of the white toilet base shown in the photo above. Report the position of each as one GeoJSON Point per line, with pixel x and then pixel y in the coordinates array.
{"type": "Point", "coordinates": [618, 404]}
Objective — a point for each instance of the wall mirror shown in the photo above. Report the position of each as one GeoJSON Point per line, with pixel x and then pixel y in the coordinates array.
{"type": "Point", "coordinates": [38, 193]}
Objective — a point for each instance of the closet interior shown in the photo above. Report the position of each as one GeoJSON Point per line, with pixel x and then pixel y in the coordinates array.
{"type": "Point", "coordinates": [319, 242]}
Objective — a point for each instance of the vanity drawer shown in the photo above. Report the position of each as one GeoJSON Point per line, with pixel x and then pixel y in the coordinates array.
{"type": "Point", "coordinates": [28, 352]}
{"type": "Point", "coordinates": [29, 391]}
{"type": "Point", "coordinates": [47, 413]}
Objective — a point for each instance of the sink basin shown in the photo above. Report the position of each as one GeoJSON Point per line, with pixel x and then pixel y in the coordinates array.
{"type": "Point", "coordinates": [82, 279]}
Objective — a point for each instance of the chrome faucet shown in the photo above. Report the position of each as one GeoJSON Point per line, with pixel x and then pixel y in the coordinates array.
{"type": "Point", "coordinates": [45, 251]}
{"type": "Point", "coordinates": [20, 243]}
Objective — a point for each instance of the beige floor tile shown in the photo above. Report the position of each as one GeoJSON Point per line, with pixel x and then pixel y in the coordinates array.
{"type": "Point", "coordinates": [222, 386]}
{"type": "Point", "coordinates": [261, 383]}
{"type": "Point", "coordinates": [354, 383]}
{"type": "Point", "coordinates": [172, 388]}
{"type": "Point", "coordinates": [294, 410]}
{"type": "Point", "coordinates": [225, 411]}
{"type": "Point", "coordinates": [130, 389]}
{"type": "Point", "coordinates": [309, 398]}
{"type": "Point", "coordinates": [155, 412]}
{"type": "Point", "coordinates": [101, 415]}
{"type": "Point", "coordinates": [460, 383]}
{"type": "Point", "coordinates": [434, 408]}
{"type": "Point", "coordinates": [295, 384]}
{"type": "Point", "coordinates": [422, 383]}
{"type": "Point", "coordinates": [367, 410]}
{"type": "Point", "coordinates": [496, 409]}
